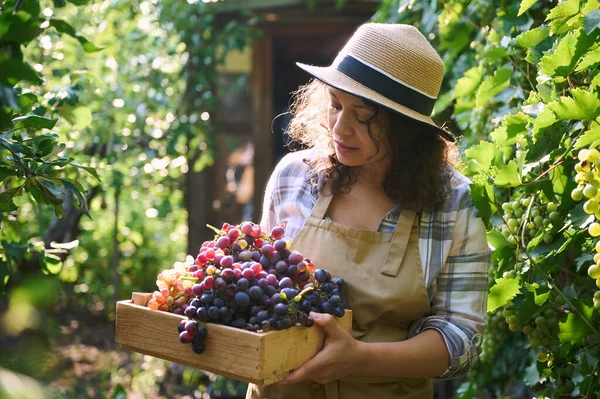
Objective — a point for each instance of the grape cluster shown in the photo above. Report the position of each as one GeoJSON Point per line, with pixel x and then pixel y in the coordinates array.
{"type": "Point", "coordinates": [246, 279]}
{"type": "Point", "coordinates": [493, 336]}
{"type": "Point", "coordinates": [588, 187]}
{"type": "Point", "coordinates": [542, 331]}
{"type": "Point", "coordinates": [540, 216]}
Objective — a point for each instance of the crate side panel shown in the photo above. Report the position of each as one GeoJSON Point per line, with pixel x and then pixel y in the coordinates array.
{"type": "Point", "coordinates": [293, 347]}
{"type": "Point", "coordinates": [229, 351]}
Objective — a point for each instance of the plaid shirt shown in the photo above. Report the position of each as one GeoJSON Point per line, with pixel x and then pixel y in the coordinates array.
{"type": "Point", "coordinates": [452, 245]}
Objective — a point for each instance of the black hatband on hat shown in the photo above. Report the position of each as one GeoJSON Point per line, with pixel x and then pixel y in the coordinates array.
{"type": "Point", "coordinates": [386, 86]}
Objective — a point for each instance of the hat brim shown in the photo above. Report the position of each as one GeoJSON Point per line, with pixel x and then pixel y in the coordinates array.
{"type": "Point", "coordinates": [334, 78]}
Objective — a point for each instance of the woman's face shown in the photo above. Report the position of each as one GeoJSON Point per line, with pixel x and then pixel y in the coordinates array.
{"type": "Point", "coordinates": [349, 118]}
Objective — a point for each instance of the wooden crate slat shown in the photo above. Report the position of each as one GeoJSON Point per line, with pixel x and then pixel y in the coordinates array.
{"type": "Point", "coordinates": [259, 358]}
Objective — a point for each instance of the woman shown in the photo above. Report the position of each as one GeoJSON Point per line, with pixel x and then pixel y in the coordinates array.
{"type": "Point", "coordinates": [375, 201]}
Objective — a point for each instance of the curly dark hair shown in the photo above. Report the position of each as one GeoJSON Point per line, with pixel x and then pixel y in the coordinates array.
{"type": "Point", "coordinates": [419, 170]}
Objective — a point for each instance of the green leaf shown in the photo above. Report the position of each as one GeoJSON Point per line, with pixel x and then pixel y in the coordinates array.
{"type": "Point", "coordinates": [79, 118]}
{"type": "Point", "coordinates": [574, 329]}
{"type": "Point", "coordinates": [64, 27]}
{"type": "Point", "coordinates": [525, 5]}
{"type": "Point", "coordinates": [584, 105]}
{"type": "Point", "coordinates": [525, 305]}
{"type": "Point", "coordinates": [7, 197]}
{"type": "Point", "coordinates": [492, 86]}
{"type": "Point", "coordinates": [27, 101]}
{"type": "Point", "coordinates": [33, 122]}
{"type": "Point", "coordinates": [78, 190]}
{"type": "Point", "coordinates": [561, 15]}
{"type": "Point", "coordinates": [595, 83]}
{"type": "Point", "coordinates": [559, 180]}
{"type": "Point", "coordinates": [484, 153]}
{"type": "Point", "coordinates": [589, 60]}
{"type": "Point", "coordinates": [51, 264]}
{"type": "Point", "coordinates": [469, 82]}
{"type": "Point", "coordinates": [497, 240]}
{"type": "Point", "coordinates": [544, 119]}
{"type": "Point", "coordinates": [591, 21]}
{"type": "Point", "coordinates": [508, 175]}
{"type": "Point", "coordinates": [16, 71]}
{"type": "Point", "coordinates": [502, 293]}
{"type": "Point", "coordinates": [88, 169]}
{"type": "Point", "coordinates": [6, 172]}
{"type": "Point", "coordinates": [588, 137]}
{"type": "Point", "coordinates": [482, 196]}
{"type": "Point", "coordinates": [532, 37]}
{"type": "Point", "coordinates": [562, 59]}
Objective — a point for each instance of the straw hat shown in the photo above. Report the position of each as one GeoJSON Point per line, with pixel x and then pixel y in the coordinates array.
{"type": "Point", "coordinates": [392, 65]}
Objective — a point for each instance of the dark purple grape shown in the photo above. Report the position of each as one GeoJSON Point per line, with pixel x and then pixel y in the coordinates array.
{"type": "Point", "coordinates": [320, 275]}
{"type": "Point", "coordinates": [263, 283]}
{"type": "Point", "coordinates": [286, 282]}
{"type": "Point", "coordinates": [281, 309]}
{"type": "Point", "coordinates": [304, 276]}
{"type": "Point", "coordinates": [305, 305]}
{"type": "Point", "coordinates": [270, 290]}
{"type": "Point", "coordinates": [262, 316]}
{"type": "Point", "coordinates": [181, 326]}
{"type": "Point", "coordinates": [338, 311]}
{"type": "Point", "coordinates": [190, 312]}
{"type": "Point", "coordinates": [265, 325]}
{"type": "Point", "coordinates": [195, 303]}
{"type": "Point", "coordinates": [242, 284]}
{"type": "Point", "coordinates": [301, 266]}
{"type": "Point", "coordinates": [290, 293]}
{"type": "Point", "coordinates": [281, 267]}
{"type": "Point", "coordinates": [213, 313]}
{"type": "Point", "coordinates": [326, 308]}
{"type": "Point", "coordinates": [242, 299]}
{"type": "Point", "coordinates": [202, 314]}
{"type": "Point", "coordinates": [279, 245]}
{"type": "Point", "coordinates": [207, 299]}
{"type": "Point", "coordinates": [220, 284]}
{"type": "Point", "coordinates": [197, 289]}
{"type": "Point", "coordinates": [264, 262]}
{"type": "Point", "coordinates": [255, 292]}
{"type": "Point", "coordinates": [198, 344]}
{"type": "Point", "coordinates": [335, 300]}
{"type": "Point", "coordinates": [191, 326]}
{"type": "Point", "coordinates": [284, 254]}
{"type": "Point", "coordinates": [238, 323]}
{"type": "Point", "coordinates": [256, 256]}
{"type": "Point", "coordinates": [286, 323]}
{"type": "Point", "coordinates": [218, 302]}
{"type": "Point", "coordinates": [185, 337]}
{"type": "Point", "coordinates": [223, 311]}
{"type": "Point", "coordinates": [295, 258]}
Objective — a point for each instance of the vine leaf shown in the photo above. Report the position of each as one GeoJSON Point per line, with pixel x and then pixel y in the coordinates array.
{"type": "Point", "coordinates": [591, 21]}
{"type": "Point", "coordinates": [584, 105]}
{"type": "Point", "coordinates": [574, 329]}
{"type": "Point", "coordinates": [561, 15]}
{"type": "Point", "coordinates": [482, 196]}
{"type": "Point", "coordinates": [565, 55]}
{"type": "Point", "coordinates": [508, 175]}
{"type": "Point", "coordinates": [592, 135]}
{"type": "Point", "coordinates": [525, 5]}
{"type": "Point", "coordinates": [532, 37]}
{"type": "Point", "coordinates": [483, 153]}
{"type": "Point", "coordinates": [492, 85]}
{"type": "Point", "coordinates": [502, 293]}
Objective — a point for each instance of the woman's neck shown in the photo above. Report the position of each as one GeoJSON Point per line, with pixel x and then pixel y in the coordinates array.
{"type": "Point", "coordinates": [371, 175]}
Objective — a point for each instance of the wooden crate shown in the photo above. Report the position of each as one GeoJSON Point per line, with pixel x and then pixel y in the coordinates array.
{"type": "Point", "coordinates": [258, 358]}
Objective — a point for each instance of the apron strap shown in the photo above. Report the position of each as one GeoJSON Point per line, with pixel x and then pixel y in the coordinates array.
{"type": "Point", "coordinates": [321, 206]}
{"type": "Point", "coordinates": [402, 234]}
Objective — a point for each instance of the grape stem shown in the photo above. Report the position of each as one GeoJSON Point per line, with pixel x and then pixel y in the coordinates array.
{"type": "Point", "coordinates": [592, 382]}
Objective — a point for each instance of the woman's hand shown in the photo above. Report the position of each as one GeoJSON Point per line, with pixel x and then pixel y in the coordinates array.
{"type": "Point", "coordinates": [337, 359]}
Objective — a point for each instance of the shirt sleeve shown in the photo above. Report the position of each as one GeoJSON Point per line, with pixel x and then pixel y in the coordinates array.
{"type": "Point", "coordinates": [458, 307]}
{"type": "Point", "coordinates": [269, 215]}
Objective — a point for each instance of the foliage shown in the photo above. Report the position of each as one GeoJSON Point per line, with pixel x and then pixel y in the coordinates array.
{"type": "Point", "coordinates": [522, 85]}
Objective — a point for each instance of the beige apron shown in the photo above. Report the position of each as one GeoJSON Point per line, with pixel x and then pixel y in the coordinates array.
{"type": "Point", "coordinates": [384, 287]}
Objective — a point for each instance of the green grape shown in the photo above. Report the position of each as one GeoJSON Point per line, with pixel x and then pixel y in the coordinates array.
{"type": "Point", "coordinates": [506, 207]}
{"type": "Point", "coordinates": [589, 176]}
{"type": "Point", "coordinates": [535, 212]}
{"type": "Point", "coordinates": [594, 271]}
{"type": "Point", "coordinates": [539, 221]}
{"type": "Point", "coordinates": [583, 154]}
{"type": "Point", "coordinates": [555, 217]}
{"type": "Point", "coordinates": [589, 191]}
{"type": "Point", "coordinates": [526, 201]}
{"type": "Point", "coordinates": [590, 206]}
{"type": "Point", "coordinates": [577, 194]}
{"type": "Point", "coordinates": [513, 224]}
{"type": "Point", "coordinates": [593, 155]}
{"type": "Point", "coordinates": [516, 205]}
{"type": "Point", "coordinates": [551, 207]}
{"type": "Point", "coordinates": [594, 229]}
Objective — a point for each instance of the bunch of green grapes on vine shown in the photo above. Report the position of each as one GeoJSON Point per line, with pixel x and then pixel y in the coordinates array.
{"type": "Point", "coordinates": [588, 188]}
